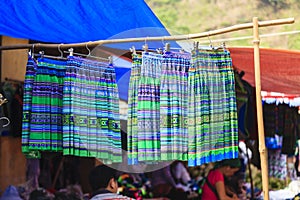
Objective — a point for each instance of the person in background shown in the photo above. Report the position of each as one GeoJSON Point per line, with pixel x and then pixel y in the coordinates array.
{"type": "Point", "coordinates": [164, 185]}
{"type": "Point", "coordinates": [180, 175]}
{"type": "Point", "coordinates": [214, 187]}
{"type": "Point", "coordinates": [103, 181]}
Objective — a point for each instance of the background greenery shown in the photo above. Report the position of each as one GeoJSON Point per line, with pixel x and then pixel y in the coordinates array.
{"type": "Point", "coordinates": [195, 16]}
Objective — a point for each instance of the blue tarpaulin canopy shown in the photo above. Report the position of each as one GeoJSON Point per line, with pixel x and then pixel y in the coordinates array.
{"type": "Point", "coordinates": [73, 21]}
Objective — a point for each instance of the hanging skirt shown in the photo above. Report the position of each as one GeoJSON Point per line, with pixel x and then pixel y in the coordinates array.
{"type": "Point", "coordinates": [31, 69]}
{"type": "Point", "coordinates": [174, 106]}
{"type": "Point", "coordinates": [148, 108]}
{"type": "Point", "coordinates": [45, 120]}
{"type": "Point", "coordinates": [132, 125]}
{"type": "Point", "coordinates": [91, 111]}
{"type": "Point", "coordinates": [212, 117]}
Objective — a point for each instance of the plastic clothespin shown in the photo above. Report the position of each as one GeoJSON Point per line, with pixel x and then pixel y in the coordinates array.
{"type": "Point", "coordinates": [42, 53]}
{"type": "Point", "coordinates": [145, 47]}
{"type": "Point", "coordinates": [167, 47]}
{"type": "Point", "coordinates": [159, 51]}
{"type": "Point", "coordinates": [132, 50]}
{"type": "Point", "coordinates": [71, 51]}
{"type": "Point", "coordinates": [110, 60]}
{"type": "Point", "coordinates": [196, 47]}
{"type": "Point", "coordinates": [224, 46]}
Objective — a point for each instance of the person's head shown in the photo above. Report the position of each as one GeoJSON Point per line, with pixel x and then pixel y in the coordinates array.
{"type": "Point", "coordinates": [103, 177]}
{"type": "Point", "coordinates": [229, 166]}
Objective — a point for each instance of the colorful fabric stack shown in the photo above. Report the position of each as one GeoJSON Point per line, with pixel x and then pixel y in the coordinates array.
{"type": "Point", "coordinates": [277, 164]}
{"type": "Point", "coordinates": [212, 127]}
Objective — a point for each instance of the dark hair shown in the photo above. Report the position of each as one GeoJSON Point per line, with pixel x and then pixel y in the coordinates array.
{"type": "Point", "coordinates": [39, 194]}
{"type": "Point", "coordinates": [233, 163]}
{"type": "Point", "coordinates": [100, 176]}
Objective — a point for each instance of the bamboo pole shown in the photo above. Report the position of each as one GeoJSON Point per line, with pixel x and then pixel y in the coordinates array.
{"type": "Point", "coordinates": [233, 28]}
{"type": "Point", "coordinates": [261, 135]}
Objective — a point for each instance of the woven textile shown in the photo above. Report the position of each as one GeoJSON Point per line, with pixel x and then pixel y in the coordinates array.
{"type": "Point", "coordinates": [212, 117]}
{"type": "Point", "coordinates": [148, 108]}
{"type": "Point", "coordinates": [277, 164]}
{"type": "Point", "coordinates": [31, 69]}
{"type": "Point", "coordinates": [91, 111]}
{"type": "Point", "coordinates": [173, 106]}
{"type": "Point", "coordinates": [132, 123]}
{"type": "Point", "coordinates": [43, 117]}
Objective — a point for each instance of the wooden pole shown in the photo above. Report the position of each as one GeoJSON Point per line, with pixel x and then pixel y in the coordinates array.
{"type": "Point", "coordinates": [261, 135]}
{"type": "Point", "coordinates": [158, 38]}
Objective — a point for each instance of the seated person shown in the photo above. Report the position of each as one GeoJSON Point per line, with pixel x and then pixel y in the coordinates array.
{"type": "Point", "coordinates": [214, 187]}
{"type": "Point", "coordinates": [164, 185]}
{"type": "Point", "coordinates": [103, 181]}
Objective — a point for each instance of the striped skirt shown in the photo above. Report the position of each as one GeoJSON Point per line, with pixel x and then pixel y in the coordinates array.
{"type": "Point", "coordinates": [212, 117]}
{"type": "Point", "coordinates": [132, 122]}
{"type": "Point", "coordinates": [91, 111]}
{"type": "Point", "coordinates": [174, 106]}
{"type": "Point", "coordinates": [42, 121]}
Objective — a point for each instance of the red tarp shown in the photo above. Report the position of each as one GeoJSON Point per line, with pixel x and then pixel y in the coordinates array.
{"type": "Point", "coordinates": [280, 69]}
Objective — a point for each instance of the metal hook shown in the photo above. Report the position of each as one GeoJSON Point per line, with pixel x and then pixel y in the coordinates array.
{"type": "Point", "coordinates": [5, 118]}
{"type": "Point", "coordinates": [163, 41]}
{"type": "Point", "coordinates": [60, 51]}
{"type": "Point", "coordinates": [32, 51]}
{"type": "Point", "coordinates": [145, 47]}
{"type": "Point", "coordinates": [86, 46]}
{"type": "Point", "coordinates": [210, 44]}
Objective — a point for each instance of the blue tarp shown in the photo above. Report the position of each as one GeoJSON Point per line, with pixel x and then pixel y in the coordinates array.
{"type": "Point", "coordinates": [73, 21]}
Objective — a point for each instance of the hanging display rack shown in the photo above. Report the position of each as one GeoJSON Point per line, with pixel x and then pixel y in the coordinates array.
{"type": "Point", "coordinates": [233, 28]}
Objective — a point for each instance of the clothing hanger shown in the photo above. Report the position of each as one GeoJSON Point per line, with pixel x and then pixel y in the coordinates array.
{"type": "Point", "coordinates": [2, 100]}
{"type": "Point", "coordinates": [211, 47]}
{"type": "Point", "coordinates": [32, 51]}
{"type": "Point", "coordinates": [71, 53]}
{"type": "Point", "coordinates": [5, 118]}
{"type": "Point", "coordinates": [41, 54]}
{"type": "Point", "coordinates": [86, 46]}
{"type": "Point", "coordinates": [60, 51]}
